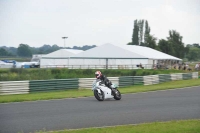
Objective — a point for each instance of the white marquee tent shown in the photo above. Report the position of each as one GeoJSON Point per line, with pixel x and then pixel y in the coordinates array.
{"type": "Point", "coordinates": [127, 56]}
{"type": "Point", "coordinates": [59, 58]}
{"type": "Point", "coordinates": [107, 56]}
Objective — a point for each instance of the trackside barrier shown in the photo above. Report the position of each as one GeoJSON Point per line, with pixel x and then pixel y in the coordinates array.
{"type": "Point", "coordinates": [86, 83]}
{"type": "Point", "coordinates": [138, 80]}
{"type": "Point", "coordinates": [195, 75]}
{"type": "Point", "coordinates": [14, 87]}
{"type": "Point", "coordinates": [187, 76]}
{"type": "Point", "coordinates": [155, 79]}
{"type": "Point", "coordinates": [23, 87]}
{"type": "Point", "coordinates": [151, 79]}
{"type": "Point", "coordinates": [174, 77]}
{"type": "Point", "coordinates": [55, 84]}
{"type": "Point", "coordinates": [130, 80]}
{"type": "Point", "coordinates": [164, 78]}
{"type": "Point", "coordinates": [125, 81]}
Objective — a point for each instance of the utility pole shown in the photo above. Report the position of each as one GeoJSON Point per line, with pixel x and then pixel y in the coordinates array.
{"type": "Point", "coordinates": [64, 40]}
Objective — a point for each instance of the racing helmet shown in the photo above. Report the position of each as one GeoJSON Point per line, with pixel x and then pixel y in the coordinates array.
{"type": "Point", "coordinates": [98, 74]}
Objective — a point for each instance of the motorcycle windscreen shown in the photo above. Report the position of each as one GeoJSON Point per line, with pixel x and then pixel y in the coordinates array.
{"type": "Point", "coordinates": [94, 84]}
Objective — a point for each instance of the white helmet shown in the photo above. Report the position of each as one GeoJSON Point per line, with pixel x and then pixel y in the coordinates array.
{"type": "Point", "coordinates": [98, 74]}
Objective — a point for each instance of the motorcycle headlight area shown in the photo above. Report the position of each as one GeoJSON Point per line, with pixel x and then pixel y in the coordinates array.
{"type": "Point", "coordinates": [114, 86]}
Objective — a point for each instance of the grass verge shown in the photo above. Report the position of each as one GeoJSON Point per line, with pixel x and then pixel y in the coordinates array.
{"type": "Point", "coordinates": [182, 126]}
{"type": "Point", "coordinates": [86, 93]}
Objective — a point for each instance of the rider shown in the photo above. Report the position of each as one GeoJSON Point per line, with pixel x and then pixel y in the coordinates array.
{"type": "Point", "coordinates": [103, 79]}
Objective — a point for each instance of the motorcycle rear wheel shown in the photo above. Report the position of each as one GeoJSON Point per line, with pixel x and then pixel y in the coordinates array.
{"type": "Point", "coordinates": [117, 95]}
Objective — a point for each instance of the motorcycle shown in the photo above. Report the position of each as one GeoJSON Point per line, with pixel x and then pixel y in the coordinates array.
{"type": "Point", "coordinates": [102, 92]}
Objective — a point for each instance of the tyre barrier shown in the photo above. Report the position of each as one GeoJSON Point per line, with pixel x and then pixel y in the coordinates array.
{"type": "Point", "coordinates": [24, 87]}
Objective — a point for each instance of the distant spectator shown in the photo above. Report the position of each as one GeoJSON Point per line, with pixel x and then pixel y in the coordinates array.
{"type": "Point", "coordinates": [175, 66]}
{"type": "Point", "coordinates": [155, 66]}
{"type": "Point", "coordinates": [197, 66]}
{"type": "Point", "coordinates": [179, 67]}
{"type": "Point", "coordinates": [185, 67]}
{"type": "Point", "coordinates": [141, 66]}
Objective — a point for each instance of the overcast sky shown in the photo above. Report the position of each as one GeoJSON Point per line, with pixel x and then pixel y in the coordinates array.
{"type": "Point", "coordinates": [94, 22]}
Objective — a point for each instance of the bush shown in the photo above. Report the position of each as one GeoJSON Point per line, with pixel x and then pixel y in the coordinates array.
{"type": "Point", "coordinates": [16, 70]}
{"type": "Point", "coordinates": [55, 71]}
{"type": "Point", "coordinates": [64, 73]}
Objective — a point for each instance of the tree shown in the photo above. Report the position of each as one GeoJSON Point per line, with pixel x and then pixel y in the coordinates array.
{"type": "Point", "coordinates": [34, 50]}
{"type": "Point", "coordinates": [165, 47]}
{"type": "Point", "coordinates": [151, 41]}
{"type": "Point", "coordinates": [3, 52]}
{"type": "Point", "coordinates": [55, 47]}
{"type": "Point", "coordinates": [138, 35]}
{"type": "Point", "coordinates": [142, 44]}
{"type": "Point", "coordinates": [193, 54]}
{"type": "Point", "coordinates": [186, 49]}
{"type": "Point", "coordinates": [196, 45]}
{"type": "Point", "coordinates": [86, 47]}
{"type": "Point", "coordinates": [130, 43]}
{"type": "Point", "coordinates": [24, 50]}
{"type": "Point", "coordinates": [135, 38]}
{"type": "Point", "coordinates": [13, 51]}
{"type": "Point", "coordinates": [189, 45]}
{"type": "Point", "coordinates": [175, 40]}
{"type": "Point", "coordinates": [140, 26]}
{"type": "Point", "coordinates": [147, 31]}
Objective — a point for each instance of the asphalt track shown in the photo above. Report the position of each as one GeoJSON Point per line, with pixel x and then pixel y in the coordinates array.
{"type": "Point", "coordinates": [137, 108]}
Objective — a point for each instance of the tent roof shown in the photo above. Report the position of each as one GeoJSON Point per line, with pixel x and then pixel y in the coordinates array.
{"type": "Point", "coordinates": [62, 53]}
{"type": "Point", "coordinates": [149, 52]}
{"type": "Point", "coordinates": [107, 51]}
{"type": "Point", "coordinates": [125, 51]}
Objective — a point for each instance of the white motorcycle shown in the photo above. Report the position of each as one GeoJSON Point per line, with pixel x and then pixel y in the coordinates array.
{"type": "Point", "coordinates": [102, 92]}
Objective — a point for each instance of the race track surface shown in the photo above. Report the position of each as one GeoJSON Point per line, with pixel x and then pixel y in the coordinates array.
{"type": "Point", "coordinates": [62, 114]}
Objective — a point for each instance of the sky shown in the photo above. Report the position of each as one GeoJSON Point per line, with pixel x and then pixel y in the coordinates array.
{"type": "Point", "coordinates": [94, 22]}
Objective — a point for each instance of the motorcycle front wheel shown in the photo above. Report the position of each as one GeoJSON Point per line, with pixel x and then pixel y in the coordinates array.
{"type": "Point", "coordinates": [98, 96]}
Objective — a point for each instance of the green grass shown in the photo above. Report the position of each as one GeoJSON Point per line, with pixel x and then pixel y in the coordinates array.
{"type": "Point", "coordinates": [182, 126]}
{"type": "Point", "coordinates": [45, 95]}
{"type": "Point", "coordinates": [86, 92]}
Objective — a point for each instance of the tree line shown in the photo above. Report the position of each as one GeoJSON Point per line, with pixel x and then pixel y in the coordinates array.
{"type": "Point", "coordinates": [172, 45]}
{"type": "Point", "coordinates": [24, 50]}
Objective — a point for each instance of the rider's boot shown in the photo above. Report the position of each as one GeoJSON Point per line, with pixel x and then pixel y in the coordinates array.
{"type": "Point", "coordinates": [112, 91]}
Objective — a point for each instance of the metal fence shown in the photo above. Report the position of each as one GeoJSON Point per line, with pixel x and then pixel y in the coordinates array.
{"type": "Point", "coordinates": [128, 66]}
{"type": "Point", "coordinates": [125, 66]}
{"type": "Point", "coordinates": [23, 87]}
